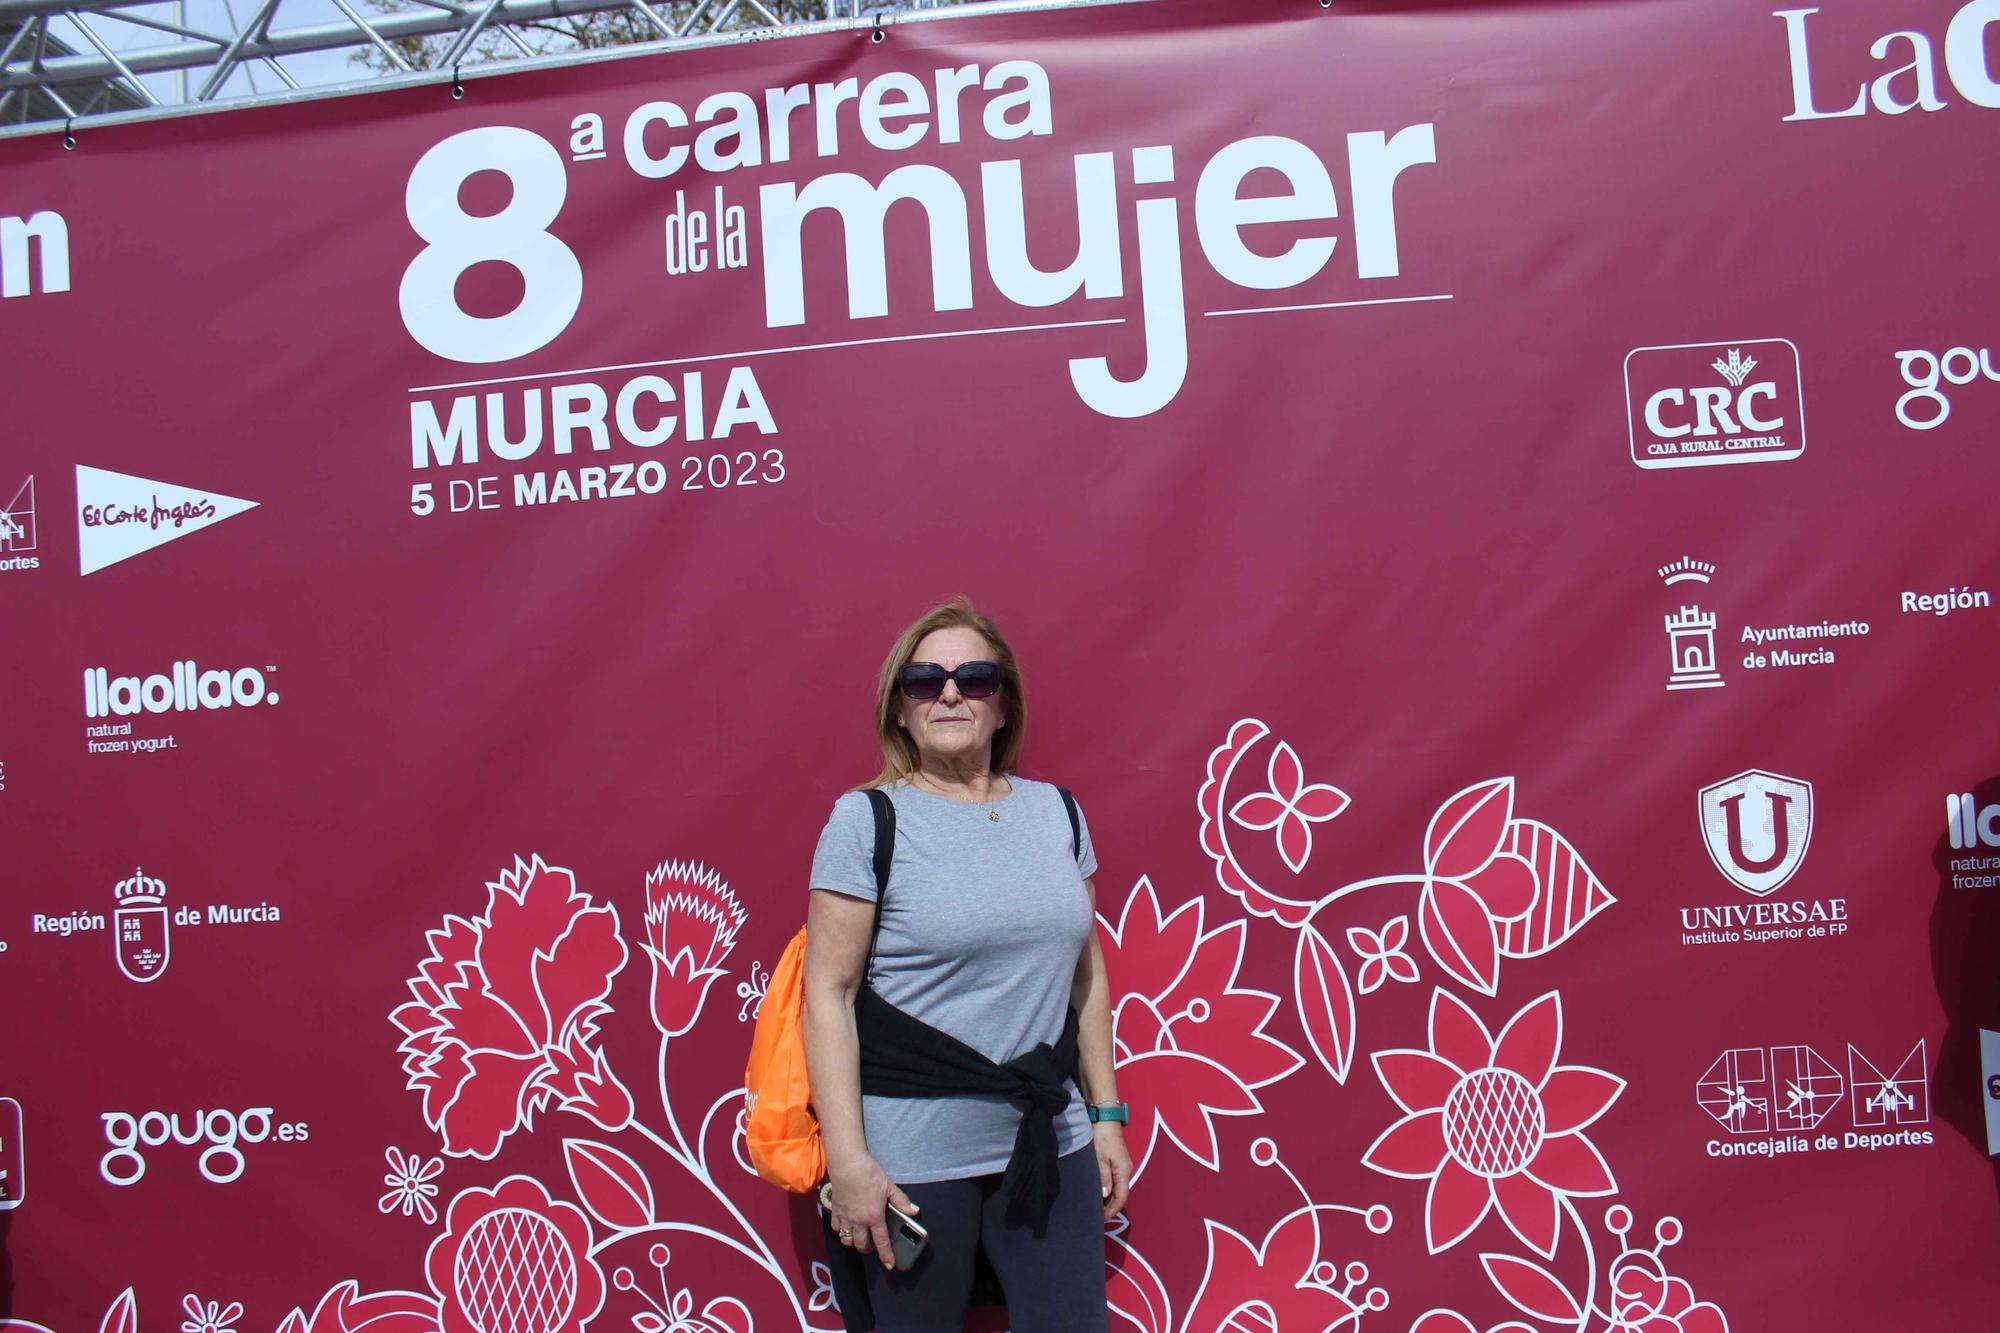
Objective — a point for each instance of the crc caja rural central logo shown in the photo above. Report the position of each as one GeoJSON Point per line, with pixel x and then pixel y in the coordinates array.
{"type": "Point", "coordinates": [1706, 404]}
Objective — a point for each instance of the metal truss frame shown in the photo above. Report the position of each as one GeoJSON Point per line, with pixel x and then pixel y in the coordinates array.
{"type": "Point", "coordinates": [36, 65]}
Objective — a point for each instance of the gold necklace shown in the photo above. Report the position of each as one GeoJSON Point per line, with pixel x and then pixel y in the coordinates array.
{"type": "Point", "coordinates": [992, 815]}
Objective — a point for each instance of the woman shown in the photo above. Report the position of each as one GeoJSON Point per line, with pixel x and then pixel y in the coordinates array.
{"type": "Point", "coordinates": [987, 933]}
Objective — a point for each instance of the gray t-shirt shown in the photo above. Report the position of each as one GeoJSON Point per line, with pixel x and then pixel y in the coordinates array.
{"type": "Point", "coordinates": [980, 935]}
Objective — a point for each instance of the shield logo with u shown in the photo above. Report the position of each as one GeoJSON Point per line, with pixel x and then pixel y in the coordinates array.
{"type": "Point", "coordinates": [1756, 826]}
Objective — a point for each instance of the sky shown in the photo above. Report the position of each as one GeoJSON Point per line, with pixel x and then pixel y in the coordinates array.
{"type": "Point", "coordinates": [221, 18]}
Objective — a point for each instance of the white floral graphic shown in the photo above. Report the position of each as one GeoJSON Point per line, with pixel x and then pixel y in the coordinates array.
{"type": "Point", "coordinates": [412, 1185]}
{"type": "Point", "coordinates": [209, 1316]}
{"type": "Point", "coordinates": [1381, 954]}
{"type": "Point", "coordinates": [1290, 806]}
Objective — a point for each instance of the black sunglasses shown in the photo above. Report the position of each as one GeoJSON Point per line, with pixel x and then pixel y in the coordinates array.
{"type": "Point", "coordinates": [925, 680]}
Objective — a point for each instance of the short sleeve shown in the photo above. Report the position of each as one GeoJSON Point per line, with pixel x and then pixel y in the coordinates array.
{"type": "Point", "coordinates": [1086, 855]}
{"type": "Point", "coordinates": [844, 861]}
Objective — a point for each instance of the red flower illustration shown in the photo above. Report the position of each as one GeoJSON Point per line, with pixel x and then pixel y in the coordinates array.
{"type": "Point", "coordinates": [1189, 1043]}
{"type": "Point", "coordinates": [1493, 1123]}
{"type": "Point", "coordinates": [1282, 1284]}
{"type": "Point", "coordinates": [513, 1260]}
{"type": "Point", "coordinates": [1443, 1321]}
{"type": "Point", "coordinates": [344, 1310]}
{"type": "Point", "coordinates": [691, 924]}
{"type": "Point", "coordinates": [1472, 883]}
{"type": "Point", "coordinates": [1646, 1300]}
{"type": "Point", "coordinates": [506, 1009]}
{"type": "Point", "coordinates": [1381, 954]}
{"type": "Point", "coordinates": [1289, 806]}
{"type": "Point", "coordinates": [1229, 872]}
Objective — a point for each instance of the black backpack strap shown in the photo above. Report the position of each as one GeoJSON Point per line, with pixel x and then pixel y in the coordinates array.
{"type": "Point", "coordinates": [885, 852]}
{"type": "Point", "coordinates": [1075, 824]}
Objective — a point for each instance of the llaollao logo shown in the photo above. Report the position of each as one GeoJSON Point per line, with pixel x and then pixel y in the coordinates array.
{"type": "Point", "coordinates": [184, 687]}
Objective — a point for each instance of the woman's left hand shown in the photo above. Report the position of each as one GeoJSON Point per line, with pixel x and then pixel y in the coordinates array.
{"type": "Point", "coordinates": [1114, 1165]}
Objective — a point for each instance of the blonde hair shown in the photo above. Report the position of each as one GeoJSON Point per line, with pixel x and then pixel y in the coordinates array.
{"type": "Point", "coordinates": [899, 751]}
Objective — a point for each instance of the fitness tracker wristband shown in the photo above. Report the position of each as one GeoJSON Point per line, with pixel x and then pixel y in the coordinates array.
{"type": "Point", "coordinates": [1116, 1112]}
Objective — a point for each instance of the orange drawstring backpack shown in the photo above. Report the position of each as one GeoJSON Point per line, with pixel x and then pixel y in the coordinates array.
{"type": "Point", "coordinates": [779, 1127]}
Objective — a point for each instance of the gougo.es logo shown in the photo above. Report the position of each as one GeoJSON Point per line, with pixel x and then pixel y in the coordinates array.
{"type": "Point", "coordinates": [220, 1134]}
{"type": "Point", "coordinates": [1924, 406]}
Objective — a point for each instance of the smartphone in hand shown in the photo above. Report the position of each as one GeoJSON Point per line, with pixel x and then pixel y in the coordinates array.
{"type": "Point", "coordinates": [907, 1236]}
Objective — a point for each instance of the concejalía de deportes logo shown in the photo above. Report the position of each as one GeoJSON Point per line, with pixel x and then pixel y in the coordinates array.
{"type": "Point", "coordinates": [220, 1135]}
{"type": "Point", "coordinates": [1778, 1099]}
{"type": "Point", "coordinates": [17, 529]}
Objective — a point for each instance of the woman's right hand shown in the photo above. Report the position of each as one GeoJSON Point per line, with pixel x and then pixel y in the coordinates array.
{"type": "Point", "coordinates": [859, 1192]}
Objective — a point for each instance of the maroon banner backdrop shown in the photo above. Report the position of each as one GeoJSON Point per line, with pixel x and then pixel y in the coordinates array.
{"type": "Point", "coordinates": [1494, 501]}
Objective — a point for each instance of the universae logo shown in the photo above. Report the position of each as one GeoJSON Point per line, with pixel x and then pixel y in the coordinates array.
{"type": "Point", "coordinates": [1709, 404]}
{"type": "Point", "coordinates": [1756, 826]}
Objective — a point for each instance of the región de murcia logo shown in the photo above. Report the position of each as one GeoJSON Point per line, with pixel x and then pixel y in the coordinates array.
{"type": "Point", "coordinates": [141, 928]}
{"type": "Point", "coordinates": [142, 922]}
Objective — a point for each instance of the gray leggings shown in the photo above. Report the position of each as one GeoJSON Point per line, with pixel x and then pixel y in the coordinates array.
{"type": "Point", "coordinates": [1054, 1282]}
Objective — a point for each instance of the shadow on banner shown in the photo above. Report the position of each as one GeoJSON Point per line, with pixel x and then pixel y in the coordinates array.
{"type": "Point", "coordinates": [1965, 962]}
